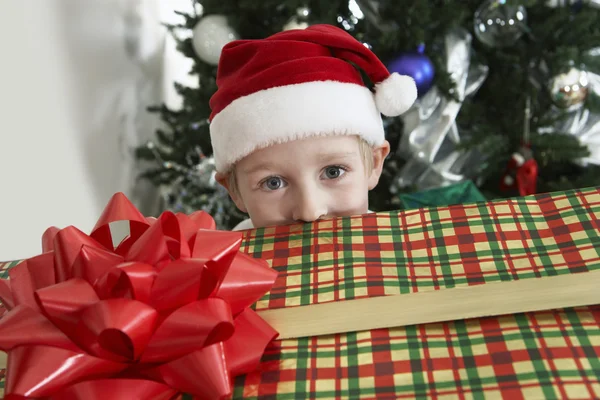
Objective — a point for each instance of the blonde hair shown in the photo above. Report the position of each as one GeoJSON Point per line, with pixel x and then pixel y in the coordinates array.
{"type": "Point", "coordinates": [366, 153]}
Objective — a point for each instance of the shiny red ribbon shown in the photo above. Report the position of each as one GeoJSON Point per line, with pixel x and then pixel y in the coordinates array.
{"type": "Point", "coordinates": [163, 313]}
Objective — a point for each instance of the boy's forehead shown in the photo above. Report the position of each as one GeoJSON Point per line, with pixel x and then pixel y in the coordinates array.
{"type": "Point", "coordinates": [319, 148]}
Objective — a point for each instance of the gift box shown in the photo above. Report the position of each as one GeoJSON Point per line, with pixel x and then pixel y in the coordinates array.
{"type": "Point", "coordinates": [546, 354]}
{"type": "Point", "coordinates": [550, 354]}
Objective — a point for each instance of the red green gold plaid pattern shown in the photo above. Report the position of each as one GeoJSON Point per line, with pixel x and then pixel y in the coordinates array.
{"type": "Point", "coordinates": [551, 355]}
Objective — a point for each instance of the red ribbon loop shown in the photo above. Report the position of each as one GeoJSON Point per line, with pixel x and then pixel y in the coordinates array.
{"type": "Point", "coordinates": [67, 244]}
{"type": "Point", "coordinates": [48, 239]}
{"type": "Point", "coordinates": [6, 295]}
{"type": "Point", "coordinates": [92, 263]}
{"type": "Point", "coordinates": [201, 371]}
{"type": "Point", "coordinates": [22, 286]}
{"type": "Point", "coordinates": [63, 303]}
{"type": "Point", "coordinates": [40, 371]}
{"type": "Point", "coordinates": [177, 284]}
{"type": "Point", "coordinates": [119, 208]}
{"type": "Point", "coordinates": [196, 323]}
{"type": "Point", "coordinates": [117, 329]}
{"type": "Point", "coordinates": [25, 326]}
{"type": "Point", "coordinates": [41, 271]}
{"type": "Point", "coordinates": [120, 389]}
{"type": "Point", "coordinates": [131, 280]}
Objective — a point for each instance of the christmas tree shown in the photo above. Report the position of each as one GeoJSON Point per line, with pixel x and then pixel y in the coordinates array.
{"type": "Point", "coordinates": [508, 93]}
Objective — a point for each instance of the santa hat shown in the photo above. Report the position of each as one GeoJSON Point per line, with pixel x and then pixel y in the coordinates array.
{"type": "Point", "coordinates": [297, 84]}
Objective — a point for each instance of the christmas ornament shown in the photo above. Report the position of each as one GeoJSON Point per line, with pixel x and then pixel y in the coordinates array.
{"type": "Point", "coordinates": [431, 139]}
{"type": "Point", "coordinates": [299, 21]}
{"type": "Point", "coordinates": [210, 35]}
{"type": "Point", "coordinates": [500, 23]}
{"type": "Point", "coordinates": [416, 65]}
{"type": "Point", "coordinates": [569, 89]}
{"type": "Point", "coordinates": [575, 4]}
{"type": "Point", "coordinates": [522, 170]}
{"type": "Point", "coordinates": [521, 173]}
{"type": "Point", "coordinates": [581, 122]}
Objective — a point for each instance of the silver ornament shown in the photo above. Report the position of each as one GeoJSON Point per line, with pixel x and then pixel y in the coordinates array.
{"type": "Point", "coordinates": [210, 35]}
{"type": "Point", "coordinates": [500, 23]}
{"type": "Point", "coordinates": [582, 123]}
{"type": "Point", "coordinates": [578, 120]}
{"type": "Point", "coordinates": [572, 3]}
{"type": "Point", "coordinates": [569, 89]}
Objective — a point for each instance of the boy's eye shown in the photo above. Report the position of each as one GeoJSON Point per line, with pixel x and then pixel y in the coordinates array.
{"type": "Point", "coordinates": [273, 183]}
{"type": "Point", "coordinates": [333, 172]}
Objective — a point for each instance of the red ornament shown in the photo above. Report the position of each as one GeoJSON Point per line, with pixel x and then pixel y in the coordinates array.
{"type": "Point", "coordinates": [521, 173]}
{"type": "Point", "coordinates": [165, 312]}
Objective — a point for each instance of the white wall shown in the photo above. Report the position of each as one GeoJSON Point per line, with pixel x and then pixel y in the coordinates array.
{"type": "Point", "coordinates": [75, 78]}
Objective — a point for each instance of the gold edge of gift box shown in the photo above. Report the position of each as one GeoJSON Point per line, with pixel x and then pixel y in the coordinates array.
{"type": "Point", "coordinates": [490, 299]}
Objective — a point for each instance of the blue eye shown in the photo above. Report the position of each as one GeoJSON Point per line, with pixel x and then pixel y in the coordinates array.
{"type": "Point", "coordinates": [333, 172]}
{"type": "Point", "coordinates": [273, 183]}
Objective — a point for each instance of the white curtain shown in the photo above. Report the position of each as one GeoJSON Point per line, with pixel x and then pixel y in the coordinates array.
{"type": "Point", "coordinates": [75, 79]}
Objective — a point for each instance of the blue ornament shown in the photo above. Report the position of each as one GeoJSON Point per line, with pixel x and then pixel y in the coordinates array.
{"type": "Point", "coordinates": [416, 65]}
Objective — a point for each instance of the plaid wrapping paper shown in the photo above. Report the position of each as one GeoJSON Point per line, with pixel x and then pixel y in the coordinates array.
{"type": "Point", "coordinates": [553, 355]}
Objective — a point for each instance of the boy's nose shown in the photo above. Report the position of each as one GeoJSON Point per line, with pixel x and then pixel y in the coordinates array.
{"type": "Point", "coordinates": [309, 208]}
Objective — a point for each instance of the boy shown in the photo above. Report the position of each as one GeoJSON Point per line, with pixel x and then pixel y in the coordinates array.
{"type": "Point", "coordinates": [296, 134]}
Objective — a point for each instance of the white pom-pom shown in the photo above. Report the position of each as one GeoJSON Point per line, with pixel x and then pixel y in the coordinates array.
{"type": "Point", "coordinates": [395, 94]}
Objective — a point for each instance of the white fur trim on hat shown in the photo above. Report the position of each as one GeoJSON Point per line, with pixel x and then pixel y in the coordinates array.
{"type": "Point", "coordinates": [285, 113]}
{"type": "Point", "coordinates": [395, 94]}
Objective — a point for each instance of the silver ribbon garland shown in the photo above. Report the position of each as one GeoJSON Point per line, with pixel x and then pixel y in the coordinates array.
{"type": "Point", "coordinates": [431, 136]}
{"type": "Point", "coordinates": [583, 123]}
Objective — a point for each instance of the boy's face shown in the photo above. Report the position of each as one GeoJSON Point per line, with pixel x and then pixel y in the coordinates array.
{"type": "Point", "coordinates": [306, 180]}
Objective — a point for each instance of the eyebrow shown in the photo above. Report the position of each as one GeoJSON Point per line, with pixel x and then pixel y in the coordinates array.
{"type": "Point", "coordinates": [329, 156]}
{"type": "Point", "coordinates": [321, 157]}
{"type": "Point", "coordinates": [259, 167]}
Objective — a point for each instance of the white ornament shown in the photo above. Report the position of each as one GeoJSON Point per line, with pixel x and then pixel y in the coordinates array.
{"type": "Point", "coordinates": [295, 24]}
{"type": "Point", "coordinates": [211, 34]}
{"type": "Point", "coordinates": [299, 21]}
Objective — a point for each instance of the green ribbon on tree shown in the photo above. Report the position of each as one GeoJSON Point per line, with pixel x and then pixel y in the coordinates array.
{"type": "Point", "coordinates": [459, 193]}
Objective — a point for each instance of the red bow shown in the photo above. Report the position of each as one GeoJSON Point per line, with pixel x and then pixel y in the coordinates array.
{"type": "Point", "coordinates": [165, 312]}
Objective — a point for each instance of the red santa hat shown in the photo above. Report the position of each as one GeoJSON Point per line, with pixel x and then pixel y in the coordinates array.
{"type": "Point", "coordinates": [298, 84]}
